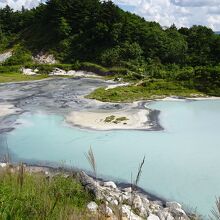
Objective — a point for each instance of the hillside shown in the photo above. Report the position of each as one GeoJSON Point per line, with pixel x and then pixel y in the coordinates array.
{"type": "Point", "coordinates": [80, 31]}
{"type": "Point", "coordinates": [91, 30]}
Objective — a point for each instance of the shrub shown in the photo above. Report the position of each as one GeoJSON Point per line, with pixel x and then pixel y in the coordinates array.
{"type": "Point", "coordinates": [39, 198]}
{"type": "Point", "coordinates": [20, 56]}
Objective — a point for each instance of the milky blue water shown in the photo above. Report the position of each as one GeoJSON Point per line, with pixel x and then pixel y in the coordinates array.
{"type": "Point", "coordinates": [182, 162]}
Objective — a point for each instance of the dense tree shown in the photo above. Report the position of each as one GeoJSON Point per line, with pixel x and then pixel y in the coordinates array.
{"type": "Point", "coordinates": [199, 39]}
{"type": "Point", "coordinates": [126, 52]}
{"type": "Point", "coordinates": [93, 30]}
{"type": "Point", "coordinates": [175, 47]}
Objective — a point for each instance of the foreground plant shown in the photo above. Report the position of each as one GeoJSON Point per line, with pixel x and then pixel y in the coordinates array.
{"type": "Point", "coordinates": [216, 210]}
{"type": "Point", "coordinates": [33, 196]}
{"type": "Point", "coordinates": [91, 159]}
{"type": "Point", "coordinates": [134, 185]}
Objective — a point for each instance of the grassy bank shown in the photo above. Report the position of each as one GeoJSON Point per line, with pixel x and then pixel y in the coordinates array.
{"type": "Point", "coordinates": [18, 77]}
{"type": "Point", "coordinates": [34, 196]}
{"type": "Point", "coordinates": [13, 73]}
{"type": "Point", "coordinates": [143, 91]}
{"type": "Point", "coordinates": [147, 82]}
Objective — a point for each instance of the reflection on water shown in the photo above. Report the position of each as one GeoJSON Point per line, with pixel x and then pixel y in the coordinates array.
{"type": "Point", "coordinates": [182, 162]}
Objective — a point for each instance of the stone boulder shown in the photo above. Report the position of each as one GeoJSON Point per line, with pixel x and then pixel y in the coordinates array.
{"type": "Point", "coordinates": [133, 205]}
{"type": "Point", "coordinates": [58, 72]}
{"type": "Point", "coordinates": [176, 210]}
{"type": "Point", "coordinates": [127, 213]}
{"type": "Point", "coordinates": [3, 165]}
{"type": "Point", "coordinates": [5, 56]}
{"type": "Point", "coordinates": [173, 205]}
{"type": "Point", "coordinates": [92, 207]}
{"type": "Point", "coordinates": [106, 211]}
{"type": "Point", "coordinates": [29, 72]}
{"type": "Point", "coordinates": [42, 58]}
{"type": "Point", "coordinates": [110, 184]}
{"type": "Point", "coordinates": [90, 184]}
{"type": "Point", "coordinates": [153, 217]}
{"type": "Point", "coordinates": [165, 215]}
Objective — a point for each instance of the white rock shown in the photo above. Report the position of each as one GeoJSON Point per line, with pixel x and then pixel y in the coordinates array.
{"type": "Point", "coordinates": [178, 212]}
{"type": "Point", "coordinates": [82, 74]}
{"type": "Point", "coordinates": [143, 212]}
{"type": "Point", "coordinates": [3, 165]}
{"type": "Point", "coordinates": [169, 217]}
{"type": "Point", "coordinates": [110, 184]}
{"type": "Point", "coordinates": [127, 213]}
{"type": "Point", "coordinates": [108, 212]}
{"type": "Point", "coordinates": [114, 202]}
{"type": "Point", "coordinates": [126, 199]}
{"type": "Point", "coordinates": [158, 203]}
{"type": "Point", "coordinates": [117, 85]}
{"type": "Point", "coordinates": [92, 207]}
{"type": "Point", "coordinates": [165, 215]}
{"type": "Point", "coordinates": [173, 205]}
{"type": "Point", "coordinates": [5, 56]}
{"type": "Point", "coordinates": [155, 206]}
{"type": "Point", "coordinates": [128, 189]}
{"type": "Point", "coordinates": [71, 73]}
{"type": "Point", "coordinates": [137, 203]}
{"type": "Point", "coordinates": [28, 71]}
{"type": "Point", "coordinates": [153, 217]}
{"type": "Point", "coordinates": [108, 198]}
{"type": "Point", "coordinates": [126, 210]}
{"type": "Point", "coordinates": [58, 72]}
{"type": "Point", "coordinates": [145, 202]}
{"type": "Point", "coordinates": [45, 59]}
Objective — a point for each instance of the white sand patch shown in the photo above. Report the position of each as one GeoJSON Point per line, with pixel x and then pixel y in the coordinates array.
{"type": "Point", "coordinates": [6, 109]}
{"type": "Point", "coordinates": [133, 120]}
{"type": "Point", "coordinates": [173, 99]}
{"type": "Point", "coordinates": [117, 85]}
{"type": "Point", "coordinates": [188, 98]}
{"type": "Point", "coordinates": [205, 98]}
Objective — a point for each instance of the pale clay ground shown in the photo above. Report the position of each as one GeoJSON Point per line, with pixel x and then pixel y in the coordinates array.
{"type": "Point", "coordinates": [7, 109]}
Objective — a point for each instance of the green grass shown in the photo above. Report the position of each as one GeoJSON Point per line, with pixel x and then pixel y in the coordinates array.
{"type": "Point", "coordinates": [41, 198]}
{"type": "Point", "coordinates": [13, 74]}
{"type": "Point", "coordinates": [147, 90]}
{"type": "Point", "coordinates": [18, 77]}
{"type": "Point", "coordinates": [113, 119]}
{"type": "Point", "coordinates": [121, 119]}
{"type": "Point", "coordinates": [109, 119]}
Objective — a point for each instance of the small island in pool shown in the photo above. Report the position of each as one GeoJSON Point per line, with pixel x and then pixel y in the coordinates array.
{"type": "Point", "coordinates": [111, 120]}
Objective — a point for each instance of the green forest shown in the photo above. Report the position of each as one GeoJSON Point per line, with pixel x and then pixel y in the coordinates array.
{"type": "Point", "coordinates": [102, 34]}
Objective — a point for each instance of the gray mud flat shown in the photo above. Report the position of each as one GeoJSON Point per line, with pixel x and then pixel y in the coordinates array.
{"type": "Point", "coordinates": [59, 96]}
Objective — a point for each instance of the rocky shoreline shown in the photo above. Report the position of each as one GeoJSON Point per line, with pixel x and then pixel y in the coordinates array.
{"type": "Point", "coordinates": [112, 200]}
